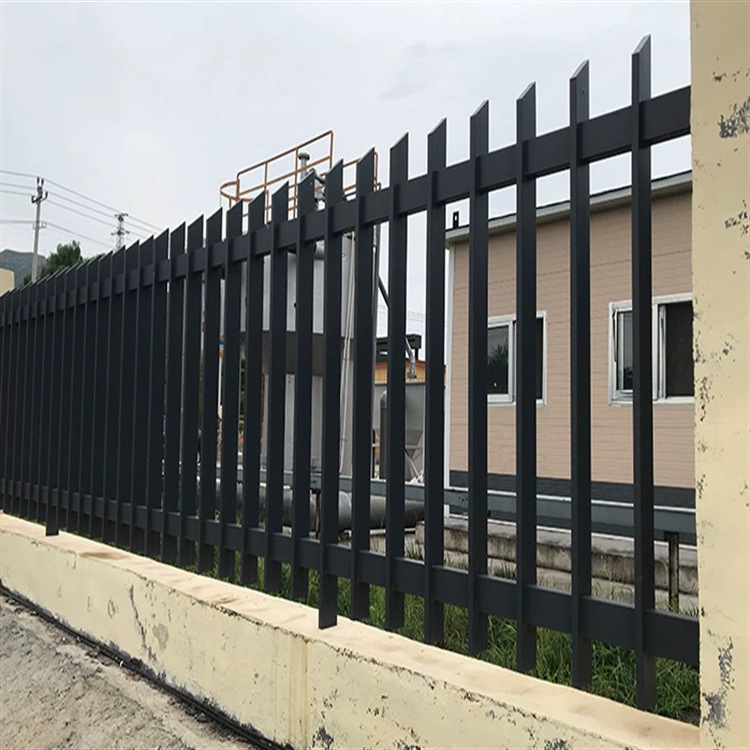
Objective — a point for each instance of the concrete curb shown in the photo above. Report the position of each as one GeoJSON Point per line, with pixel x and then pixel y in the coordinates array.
{"type": "Point", "coordinates": [263, 661]}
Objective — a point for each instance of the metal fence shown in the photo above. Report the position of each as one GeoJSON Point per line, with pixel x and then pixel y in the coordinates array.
{"type": "Point", "coordinates": [101, 391]}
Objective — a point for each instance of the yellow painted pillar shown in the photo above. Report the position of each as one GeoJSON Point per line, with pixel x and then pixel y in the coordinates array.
{"type": "Point", "coordinates": [720, 124]}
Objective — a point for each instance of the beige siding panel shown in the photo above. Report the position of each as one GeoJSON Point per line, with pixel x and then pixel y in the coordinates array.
{"type": "Point", "coordinates": [612, 452]}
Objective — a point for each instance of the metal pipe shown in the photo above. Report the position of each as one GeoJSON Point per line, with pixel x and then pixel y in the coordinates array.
{"type": "Point", "coordinates": [414, 509]}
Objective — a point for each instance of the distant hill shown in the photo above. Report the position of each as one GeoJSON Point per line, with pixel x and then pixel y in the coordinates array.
{"type": "Point", "coordinates": [19, 263]}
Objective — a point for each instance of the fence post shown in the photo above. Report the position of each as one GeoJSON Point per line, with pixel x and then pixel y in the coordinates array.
{"type": "Point", "coordinates": [720, 61]}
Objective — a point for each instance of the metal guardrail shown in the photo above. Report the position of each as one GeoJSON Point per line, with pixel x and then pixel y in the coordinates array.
{"type": "Point", "coordinates": [607, 516]}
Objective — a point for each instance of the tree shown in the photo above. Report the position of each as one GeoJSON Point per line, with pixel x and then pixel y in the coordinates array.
{"type": "Point", "coordinates": [66, 255]}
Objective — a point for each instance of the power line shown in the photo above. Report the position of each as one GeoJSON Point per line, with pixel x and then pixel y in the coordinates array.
{"type": "Point", "coordinates": [103, 205]}
{"type": "Point", "coordinates": [80, 213]}
{"type": "Point", "coordinates": [17, 221]}
{"type": "Point", "coordinates": [133, 219]}
{"type": "Point", "coordinates": [16, 185]}
{"type": "Point", "coordinates": [77, 234]}
{"type": "Point", "coordinates": [18, 174]}
{"type": "Point", "coordinates": [15, 192]}
{"type": "Point", "coordinates": [83, 205]}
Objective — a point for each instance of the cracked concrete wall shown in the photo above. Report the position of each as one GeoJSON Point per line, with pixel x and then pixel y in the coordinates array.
{"type": "Point", "coordinates": [264, 662]}
{"type": "Point", "coordinates": [720, 54]}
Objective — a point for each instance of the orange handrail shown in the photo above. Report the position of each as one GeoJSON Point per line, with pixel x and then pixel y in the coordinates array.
{"type": "Point", "coordinates": [233, 190]}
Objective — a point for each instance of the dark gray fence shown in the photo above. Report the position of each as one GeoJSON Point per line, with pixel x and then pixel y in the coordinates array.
{"type": "Point", "coordinates": [100, 389]}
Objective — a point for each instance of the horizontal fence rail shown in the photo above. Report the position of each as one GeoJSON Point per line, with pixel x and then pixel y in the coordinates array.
{"type": "Point", "coordinates": [111, 374]}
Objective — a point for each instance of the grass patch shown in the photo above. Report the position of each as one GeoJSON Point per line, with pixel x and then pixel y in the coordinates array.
{"type": "Point", "coordinates": [678, 692]}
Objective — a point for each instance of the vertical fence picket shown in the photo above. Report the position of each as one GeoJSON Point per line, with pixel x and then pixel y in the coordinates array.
{"type": "Point", "coordinates": [21, 436]}
{"type": "Point", "coordinates": [643, 434]}
{"type": "Point", "coordinates": [34, 437]}
{"type": "Point", "coordinates": [125, 501]}
{"type": "Point", "coordinates": [395, 447]}
{"type": "Point", "coordinates": [363, 380]}
{"type": "Point", "coordinates": [253, 415]}
{"type": "Point", "coordinates": [303, 387]}
{"type": "Point", "coordinates": [97, 523]}
{"type": "Point", "coordinates": [113, 396]}
{"type": "Point", "coordinates": [210, 416]}
{"type": "Point", "coordinates": [25, 399]}
{"type": "Point", "coordinates": [156, 394]}
{"type": "Point", "coordinates": [88, 397]}
{"type": "Point", "coordinates": [190, 390]}
{"type": "Point", "coordinates": [230, 423]}
{"type": "Point", "coordinates": [525, 381]}
{"type": "Point", "coordinates": [44, 396]}
{"type": "Point", "coordinates": [276, 389]}
{"type": "Point", "coordinates": [478, 248]}
{"type": "Point", "coordinates": [5, 391]}
{"type": "Point", "coordinates": [78, 348]}
{"type": "Point", "coordinates": [434, 450]}
{"type": "Point", "coordinates": [580, 378]}
{"type": "Point", "coordinates": [173, 416]}
{"type": "Point", "coordinates": [55, 378]}
{"type": "Point", "coordinates": [17, 406]}
{"type": "Point", "coordinates": [139, 453]}
{"type": "Point", "coordinates": [66, 411]}
{"type": "Point", "coordinates": [331, 432]}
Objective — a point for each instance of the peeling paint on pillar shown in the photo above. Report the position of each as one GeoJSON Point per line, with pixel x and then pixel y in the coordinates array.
{"type": "Point", "coordinates": [720, 132]}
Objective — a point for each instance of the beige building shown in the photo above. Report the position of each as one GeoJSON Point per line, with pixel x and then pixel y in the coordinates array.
{"type": "Point", "coordinates": [7, 281]}
{"type": "Point", "coordinates": [611, 341]}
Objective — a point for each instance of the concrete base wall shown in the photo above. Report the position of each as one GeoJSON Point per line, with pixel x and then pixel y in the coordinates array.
{"type": "Point", "coordinates": [264, 662]}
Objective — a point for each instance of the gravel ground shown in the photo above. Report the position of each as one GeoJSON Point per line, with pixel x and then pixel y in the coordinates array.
{"type": "Point", "coordinates": [56, 692]}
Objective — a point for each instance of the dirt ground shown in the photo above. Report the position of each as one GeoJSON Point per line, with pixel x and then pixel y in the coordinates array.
{"type": "Point", "coordinates": [56, 692]}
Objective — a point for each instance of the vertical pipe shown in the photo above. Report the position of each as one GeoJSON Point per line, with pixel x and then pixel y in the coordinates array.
{"type": "Point", "coordinates": [673, 542]}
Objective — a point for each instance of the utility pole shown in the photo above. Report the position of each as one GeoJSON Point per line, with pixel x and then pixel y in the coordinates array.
{"type": "Point", "coordinates": [120, 232]}
{"type": "Point", "coordinates": [41, 195]}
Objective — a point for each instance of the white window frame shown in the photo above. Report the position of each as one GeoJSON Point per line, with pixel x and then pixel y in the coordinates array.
{"type": "Point", "coordinates": [658, 352]}
{"type": "Point", "coordinates": [509, 399]}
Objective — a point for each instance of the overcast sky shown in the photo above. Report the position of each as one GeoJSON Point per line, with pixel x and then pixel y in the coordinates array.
{"type": "Point", "coordinates": [150, 107]}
